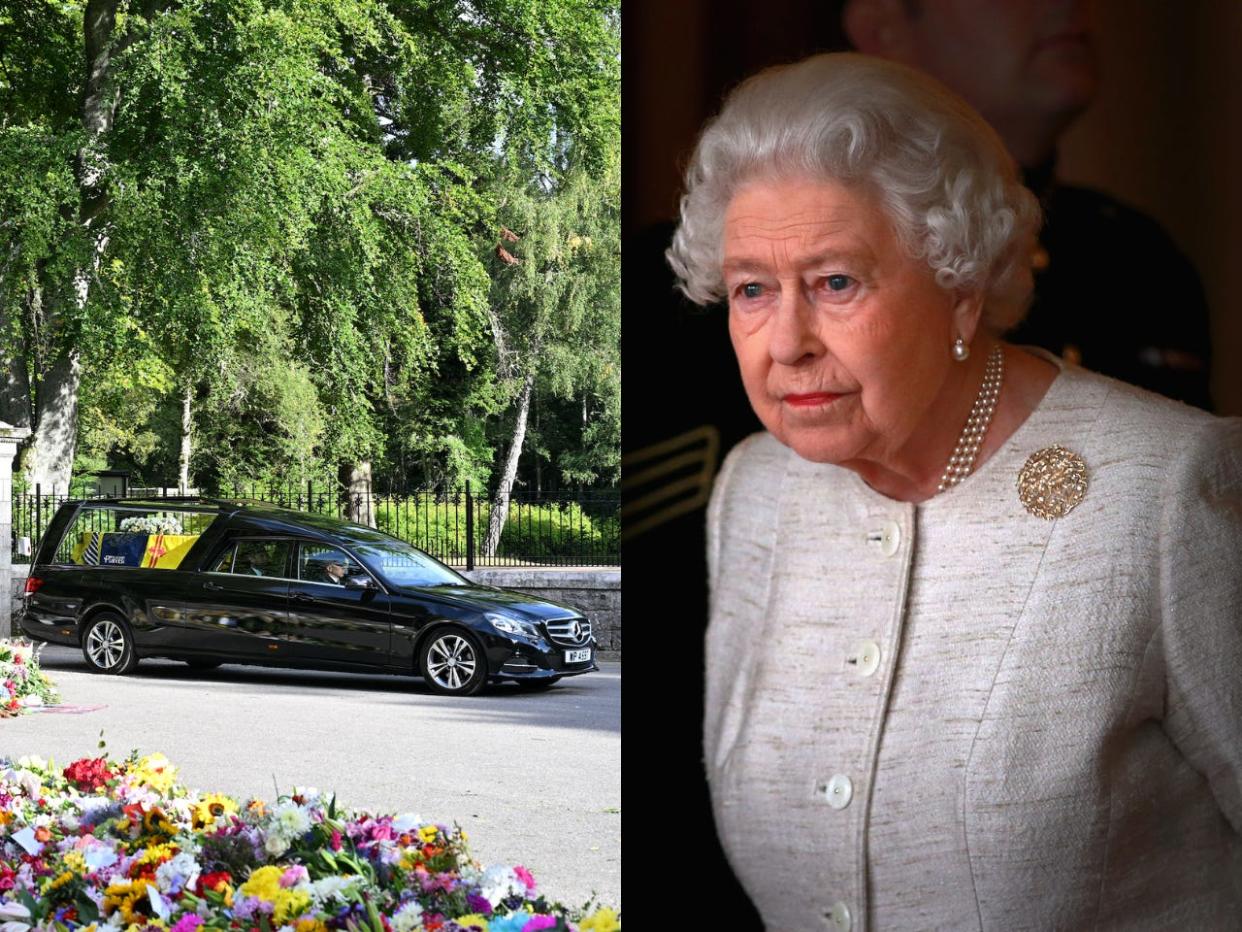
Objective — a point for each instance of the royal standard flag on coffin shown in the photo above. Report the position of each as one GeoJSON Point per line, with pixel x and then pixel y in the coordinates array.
{"type": "Point", "coordinates": [161, 551]}
{"type": "Point", "coordinates": [166, 551]}
{"type": "Point", "coordinates": [122, 549]}
{"type": "Point", "coordinates": [87, 550]}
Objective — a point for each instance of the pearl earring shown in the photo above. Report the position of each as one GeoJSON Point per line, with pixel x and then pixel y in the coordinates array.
{"type": "Point", "coordinates": [961, 352]}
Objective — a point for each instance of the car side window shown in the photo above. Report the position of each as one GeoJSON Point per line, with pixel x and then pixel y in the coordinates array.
{"type": "Point", "coordinates": [325, 564]}
{"type": "Point", "coordinates": [225, 563]}
{"type": "Point", "coordinates": [257, 558]}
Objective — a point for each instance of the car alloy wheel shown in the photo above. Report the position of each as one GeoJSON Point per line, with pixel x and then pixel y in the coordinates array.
{"type": "Point", "coordinates": [453, 664]}
{"type": "Point", "coordinates": [108, 646]}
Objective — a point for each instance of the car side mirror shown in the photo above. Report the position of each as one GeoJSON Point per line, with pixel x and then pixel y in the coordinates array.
{"type": "Point", "coordinates": [361, 581]}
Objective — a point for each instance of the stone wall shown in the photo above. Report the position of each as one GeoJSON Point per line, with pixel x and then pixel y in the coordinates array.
{"type": "Point", "coordinates": [596, 592]}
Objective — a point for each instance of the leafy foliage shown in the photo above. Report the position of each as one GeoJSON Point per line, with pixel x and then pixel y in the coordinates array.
{"type": "Point", "coordinates": [301, 201]}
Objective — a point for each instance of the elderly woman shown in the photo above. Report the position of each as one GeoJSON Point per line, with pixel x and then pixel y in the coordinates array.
{"type": "Point", "coordinates": [975, 651]}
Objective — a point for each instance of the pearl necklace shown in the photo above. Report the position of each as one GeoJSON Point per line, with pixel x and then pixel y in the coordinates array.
{"type": "Point", "coordinates": [963, 459]}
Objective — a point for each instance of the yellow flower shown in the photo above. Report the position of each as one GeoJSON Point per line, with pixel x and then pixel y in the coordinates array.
{"type": "Point", "coordinates": [473, 921]}
{"type": "Point", "coordinates": [310, 925]}
{"type": "Point", "coordinates": [428, 834]}
{"type": "Point", "coordinates": [264, 884]}
{"type": "Point", "coordinates": [211, 807]}
{"type": "Point", "coordinates": [156, 854]}
{"type": "Point", "coordinates": [56, 884]}
{"type": "Point", "coordinates": [157, 772]}
{"type": "Point", "coordinates": [603, 919]}
{"type": "Point", "coordinates": [125, 895]}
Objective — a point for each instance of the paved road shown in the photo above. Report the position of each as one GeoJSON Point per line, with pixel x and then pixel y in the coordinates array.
{"type": "Point", "coordinates": [534, 779]}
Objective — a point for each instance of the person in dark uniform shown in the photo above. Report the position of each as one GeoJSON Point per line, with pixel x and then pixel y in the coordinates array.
{"type": "Point", "coordinates": [1113, 292]}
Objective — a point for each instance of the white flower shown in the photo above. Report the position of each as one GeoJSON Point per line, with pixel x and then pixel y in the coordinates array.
{"type": "Point", "coordinates": [409, 918]}
{"type": "Point", "coordinates": [30, 783]}
{"type": "Point", "coordinates": [499, 883]}
{"type": "Point", "coordinates": [406, 822]}
{"type": "Point", "coordinates": [309, 794]}
{"type": "Point", "coordinates": [291, 820]}
{"type": "Point", "coordinates": [332, 889]}
{"type": "Point", "coordinates": [275, 845]}
{"type": "Point", "coordinates": [177, 874]}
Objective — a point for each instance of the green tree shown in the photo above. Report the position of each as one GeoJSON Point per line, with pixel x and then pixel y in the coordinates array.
{"type": "Point", "coordinates": [555, 314]}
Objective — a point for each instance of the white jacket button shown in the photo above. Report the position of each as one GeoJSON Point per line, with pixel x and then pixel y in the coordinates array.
{"type": "Point", "coordinates": [865, 657]}
{"type": "Point", "coordinates": [838, 917]}
{"type": "Point", "coordinates": [838, 791]}
{"type": "Point", "coordinates": [886, 538]}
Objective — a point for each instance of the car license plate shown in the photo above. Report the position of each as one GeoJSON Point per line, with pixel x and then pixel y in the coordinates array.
{"type": "Point", "coordinates": [578, 656]}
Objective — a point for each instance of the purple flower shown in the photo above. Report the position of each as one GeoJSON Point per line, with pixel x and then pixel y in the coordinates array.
{"type": "Point", "coordinates": [478, 904]}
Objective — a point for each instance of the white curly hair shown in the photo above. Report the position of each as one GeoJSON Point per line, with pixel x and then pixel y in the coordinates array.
{"type": "Point", "coordinates": [945, 179]}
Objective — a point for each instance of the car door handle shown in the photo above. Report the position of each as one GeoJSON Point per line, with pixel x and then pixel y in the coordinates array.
{"type": "Point", "coordinates": [302, 597]}
{"type": "Point", "coordinates": [215, 587]}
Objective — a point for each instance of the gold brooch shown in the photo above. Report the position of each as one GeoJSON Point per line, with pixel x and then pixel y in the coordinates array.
{"type": "Point", "coordinates": [1053, 482]}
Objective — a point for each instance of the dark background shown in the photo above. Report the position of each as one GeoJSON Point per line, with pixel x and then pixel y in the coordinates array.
{"type": "Point", "coordinates": [1162, 136]}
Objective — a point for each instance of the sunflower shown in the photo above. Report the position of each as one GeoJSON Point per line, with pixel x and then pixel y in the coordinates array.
{"type": "Point", "coordinates": [211, 807]}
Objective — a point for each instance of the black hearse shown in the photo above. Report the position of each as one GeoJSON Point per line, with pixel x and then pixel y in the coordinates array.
{"type": "Point", "coordinates": [210, 581]}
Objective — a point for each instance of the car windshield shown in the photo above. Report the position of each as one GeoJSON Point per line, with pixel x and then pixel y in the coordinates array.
{"type": "Point", "coordinates": [402, 565]}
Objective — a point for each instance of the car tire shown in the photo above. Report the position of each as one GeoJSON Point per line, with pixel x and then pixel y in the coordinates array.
{"type": "Point", "coordinates": [534, 686]}
{"type": "Point", "coordinates": [108, 645]}
{"type": "Point", "coordinates": [452, 663]}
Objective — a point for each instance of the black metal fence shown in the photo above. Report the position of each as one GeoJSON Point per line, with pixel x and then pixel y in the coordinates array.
{"type": "Point", "coordinates": [579, 528]}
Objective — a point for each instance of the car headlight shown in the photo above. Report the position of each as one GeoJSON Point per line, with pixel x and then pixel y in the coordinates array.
{"type": "Point", "coordinates": [512, 625]}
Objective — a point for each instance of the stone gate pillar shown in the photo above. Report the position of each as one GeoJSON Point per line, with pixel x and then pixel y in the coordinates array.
{"type": "Point", "coordinates": [10, 438]}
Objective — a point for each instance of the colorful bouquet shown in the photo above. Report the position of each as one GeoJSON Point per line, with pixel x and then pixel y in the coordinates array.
{"type": "Point", "coordinates": [122, 845]}
{"type": "Point", "coordinates": [22, 683]}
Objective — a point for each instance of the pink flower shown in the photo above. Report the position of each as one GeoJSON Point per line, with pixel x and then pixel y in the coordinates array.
{"type": "Point", "coordinates": [525, 876]}
{"type": "Point", "coordinates": [293, 876]}
{"type": "Point", "coordinates": [539, 922]}
{"type": "Point", "coordinates": [187, 923]}
{"type": "Point", "coordinates": [336, 840]}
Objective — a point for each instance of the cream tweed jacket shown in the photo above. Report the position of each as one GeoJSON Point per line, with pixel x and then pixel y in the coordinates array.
{"type": "Point", "coordinates": [958, 715]}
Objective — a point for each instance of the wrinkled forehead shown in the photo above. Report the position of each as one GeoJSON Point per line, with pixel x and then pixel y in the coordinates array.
{"type": "Point", "coordinates": [800, 219]}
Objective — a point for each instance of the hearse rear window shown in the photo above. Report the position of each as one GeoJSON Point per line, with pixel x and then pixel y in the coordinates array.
{"type": "Point", "coordinates": [129, 536]}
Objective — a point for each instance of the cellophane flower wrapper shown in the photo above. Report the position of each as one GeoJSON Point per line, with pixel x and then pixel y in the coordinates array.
{"type": "Point", "coordinates": [101, 845]}
{"type": "Point", "coordinates": [23, 685]}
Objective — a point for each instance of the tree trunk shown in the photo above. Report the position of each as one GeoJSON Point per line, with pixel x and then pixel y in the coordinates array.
{"type": "Point", "coordinates": [534, 403]}
{"type": "Point", "coordinates": [500, 501]}
{"type": "Point", "coordinates": [356, 479]}
{"type": "Point", "coordinates": [49, 457]}
{"type": "Point", "coordinates": [183, 477]}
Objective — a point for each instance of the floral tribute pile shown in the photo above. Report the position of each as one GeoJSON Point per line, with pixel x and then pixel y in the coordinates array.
{"type": "Point", "coordinates": [107, 845]}
{"type": "Point", "coordinates": [22, 684]}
